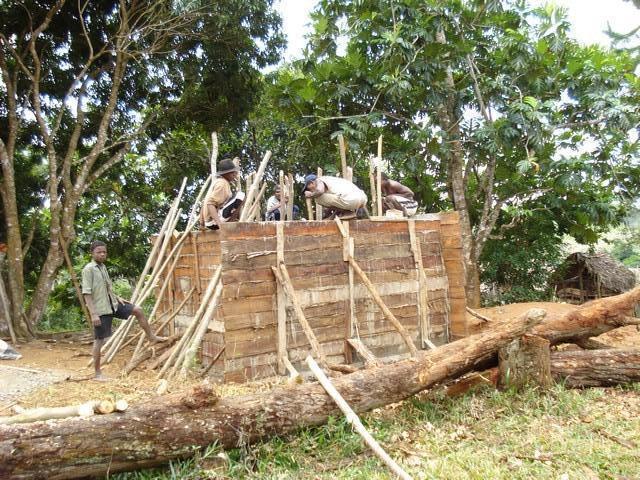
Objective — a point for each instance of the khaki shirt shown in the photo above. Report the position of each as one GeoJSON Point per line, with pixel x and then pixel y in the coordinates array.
{"type": "Point", "coordinates": [219, 195]}
{"type": "Point", "coordinates": [96, 282]}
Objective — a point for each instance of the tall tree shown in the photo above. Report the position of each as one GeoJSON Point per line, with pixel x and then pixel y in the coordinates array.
{"type": "Point", "coordinates": [491, 100]}
{"type": "Point", "coordinates": [82, 82]}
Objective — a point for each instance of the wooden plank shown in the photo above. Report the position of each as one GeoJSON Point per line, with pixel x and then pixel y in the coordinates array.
{"type": "Point", "coordinates": [265, 303]}
{"type": "Point", "coordinates": [257, 320]}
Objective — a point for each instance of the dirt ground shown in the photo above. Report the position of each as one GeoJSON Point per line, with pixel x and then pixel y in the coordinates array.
{"type": "Point", "coordinates": [55, 371]}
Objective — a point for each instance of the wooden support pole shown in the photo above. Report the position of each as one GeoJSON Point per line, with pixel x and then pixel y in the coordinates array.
{"type": "Point", "coordinates": [253, 189]}
{"type": "Point", "coordinates": [192, 350]}
{"type": "Point", "coordinates": [282, 275]}
{"type": "Point", "coordinates": [372, 187]}
{"type": "Point", "coordinates": [343, 155]}
{"type": "Point", "coordinates": [214, 154]}
{"type": "Point", "coordinates": [309, 203]}
{"type": "Point", "coordinates": [281, 300]}
{"type": "Point", "coordinates": [189, 332]}
{"type": "Point", "coordinates": [367, 355]}
{"type": "Point", "coordinates": [318, 206]}
{"type": "Point", "coordinates": [423, 301]}
{"type": "Point", "coordinates": [376, 297]}
{"type": "Point", "coordinates": [379, 178]}
{"type": "Point", "coordinates": [282, 208]}
{"type": "Point", "coordinates": [348, 250]}
{"type": "Point", "coordinates": [291, 196]}
{"type": "Point", "coordinates": [354, 420]}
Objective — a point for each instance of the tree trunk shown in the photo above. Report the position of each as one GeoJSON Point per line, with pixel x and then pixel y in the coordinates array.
{"type": "Point", "coordinates": [173, 427]}
{"type": "Point", "coordinates": [590, 320]}
{"type": "Point", "coordinates": [596, 368]}
{"type": "Point", "coordinates": [525, 362]}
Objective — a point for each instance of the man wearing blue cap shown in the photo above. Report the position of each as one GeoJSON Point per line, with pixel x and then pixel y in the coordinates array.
{"type": "Point", "coordinates": [335, 193]}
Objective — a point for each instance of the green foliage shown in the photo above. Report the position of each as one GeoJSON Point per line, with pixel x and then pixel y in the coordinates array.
{"type": "Point", "coordinates": [627, 248]}
{"type": "Point", "coordinates": [545, 126]}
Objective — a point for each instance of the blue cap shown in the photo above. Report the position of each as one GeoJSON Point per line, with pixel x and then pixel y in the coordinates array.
{"type": "Point", "coordinates": [308, 179]}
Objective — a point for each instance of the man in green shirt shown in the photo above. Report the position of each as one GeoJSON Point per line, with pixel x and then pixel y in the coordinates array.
{"type": "Point", "coordinates": [103, 304]}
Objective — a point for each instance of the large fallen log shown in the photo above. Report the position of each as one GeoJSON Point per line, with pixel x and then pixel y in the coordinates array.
{"type": "Point", "coordinates": [173, 426]}
{"type": "Point", "coordinates": [596, 368]}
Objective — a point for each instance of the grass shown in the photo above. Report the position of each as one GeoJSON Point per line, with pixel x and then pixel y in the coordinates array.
{"type": "Point", "coordinates": [557, 434]}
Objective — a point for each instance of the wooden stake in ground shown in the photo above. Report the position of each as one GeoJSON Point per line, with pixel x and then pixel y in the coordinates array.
{"type": "Point", "coordinates": [214, 154]}
{"type": "Point", "coordinates": [139, 438]}
{"type": "Point", "coordinates": [319, 212]}
{"type": "Point", "coordinates": [354, 421]}
{"type": "Point", "coordinates": [379, 178]}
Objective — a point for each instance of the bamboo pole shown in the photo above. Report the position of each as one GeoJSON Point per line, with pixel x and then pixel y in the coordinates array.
{"type": "Point", "coordinates": [376, 296]}
{"type": "Point", "coordinates": [282, 275]}
{"type": "Point", "coordinates": [255, 209]}
{"type": "Point", "coordinates": [191, 351]}
{"type": "Point", "coordinates": [187, 334]}
{"type": "Point", "coordinates": [254, 186]}
{"type": "Point", "coordinates": [354, 420]}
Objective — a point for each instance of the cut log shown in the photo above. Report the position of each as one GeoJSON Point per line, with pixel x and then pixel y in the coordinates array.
{"type": "Point", "coordinates": [525, 362]}
{"type": "Point", "coordinates": [596, 368]}
{"type": "Point", "coordinates": [170, 427]}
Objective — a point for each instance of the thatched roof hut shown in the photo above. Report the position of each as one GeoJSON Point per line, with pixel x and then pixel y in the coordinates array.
{"type": "Point", "coordinates": [583, 277]}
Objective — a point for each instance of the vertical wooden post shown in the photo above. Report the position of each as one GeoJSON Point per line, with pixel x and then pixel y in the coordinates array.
{"type": "Point", "coordinates": [214, 154]}
{"type": "Point", "coordinates": [282, 208]}
{"type": "Point", "coordinates": [318, 206]}
{"type": "Point", "coordinates": [309, 209]}
{"type": "Point", "coordinates": [4, 300]}
{"type": "Point", "coordinates": [348, 251]}
{"type": "Point", "coordinates": [372, 186]}
{"type": "Point", "coordinates": [343, 155]}
{"type": "Point", "coordinates": [379, 177]}
{"type": "Point", "coordinates": [423, 304]}
{"type": "Point", "coordinates": [281, 301]}
{"type": "Point", "coordinates": [291, 197]}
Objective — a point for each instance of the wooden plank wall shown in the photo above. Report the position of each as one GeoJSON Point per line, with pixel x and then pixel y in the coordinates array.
{"type": "Point", "coordinates": [246, 321]}
{"type": "Point", "coordinates": [313, 255]}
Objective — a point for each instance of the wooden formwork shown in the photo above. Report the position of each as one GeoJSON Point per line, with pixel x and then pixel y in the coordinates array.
{"type": "Point", "coordinates": [392, 253]}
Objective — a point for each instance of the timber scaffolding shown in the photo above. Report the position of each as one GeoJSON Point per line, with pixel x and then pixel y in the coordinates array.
{"type": "Point", "coordinates": [354, 292]}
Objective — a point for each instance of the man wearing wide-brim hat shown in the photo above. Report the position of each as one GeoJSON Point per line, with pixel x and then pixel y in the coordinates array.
{"type": "Point", "coordinates": [221, 205]}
